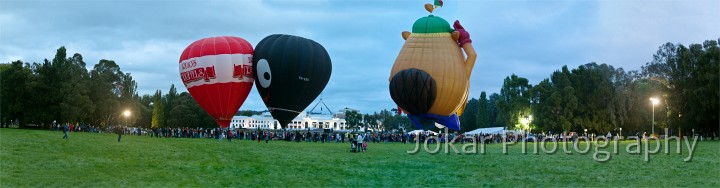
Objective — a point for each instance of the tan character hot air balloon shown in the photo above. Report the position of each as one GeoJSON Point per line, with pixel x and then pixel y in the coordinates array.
{"type": "Point", "coordinates": [431, 76]}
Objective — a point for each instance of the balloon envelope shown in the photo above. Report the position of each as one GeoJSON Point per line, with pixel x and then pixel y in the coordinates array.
{"type": "Point", "coordinates": [217, 72]}
{"type": "Point", "coordinates": [291, 72]}
{"type": "Point", "coordinates": [430, 78]}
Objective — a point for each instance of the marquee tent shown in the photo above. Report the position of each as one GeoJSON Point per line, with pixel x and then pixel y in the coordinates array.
{"type": "Point", "coordinates": [490, 130]}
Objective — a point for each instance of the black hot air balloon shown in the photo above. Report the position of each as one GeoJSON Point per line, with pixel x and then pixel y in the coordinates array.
{"type": "Point", "coordinates": [290, 72]}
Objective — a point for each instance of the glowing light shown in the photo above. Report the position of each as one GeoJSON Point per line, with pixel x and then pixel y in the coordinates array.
{"type": "Point", "coordinates": [654, 100]}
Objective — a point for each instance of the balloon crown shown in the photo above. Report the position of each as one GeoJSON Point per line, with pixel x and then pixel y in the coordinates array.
{"type": "Point", "coordinates": [431, 23]}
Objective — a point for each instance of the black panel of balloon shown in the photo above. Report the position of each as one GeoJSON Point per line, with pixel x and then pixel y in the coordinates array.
{"type": "Point", "coordinates": [413, 90]}
{"type": "Point", "coordinates": [290, 72]}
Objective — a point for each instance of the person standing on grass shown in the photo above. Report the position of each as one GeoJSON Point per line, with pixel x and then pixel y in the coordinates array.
{"type": "Point", "coordinates": [219, 134]}
{"type": "Point", "coordinates": [65, 131]}
{"type": "Point", "coordinates": [266, 135]}
{"type": "Point", "coordinates": [644, 135]}
{"type": "Point", "coordinates": [608, 136]}
{"type": "Point", "coordinates": [229, 135]}
{"type": "Point", "coordinates": [119, 131]}
{"type": "Point", "coordinates": [360, 141]}
{"type": "Point", "coordinates": [573, 136]}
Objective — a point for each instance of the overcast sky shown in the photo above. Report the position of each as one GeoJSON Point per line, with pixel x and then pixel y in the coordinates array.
{"type": "Point", "coordinates": [529, 38]}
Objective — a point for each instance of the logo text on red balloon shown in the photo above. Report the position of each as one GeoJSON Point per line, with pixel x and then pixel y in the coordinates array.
{"type": "Point", "coordinates": [206, 74]}
{"type": "Point", "coordinates": [187, 65]}
{"type": "Point", "coordinates": [240, 71]}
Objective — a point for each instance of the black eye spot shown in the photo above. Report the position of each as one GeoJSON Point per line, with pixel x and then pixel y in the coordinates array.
{"type": "Point", "coordinates": [266, 76]}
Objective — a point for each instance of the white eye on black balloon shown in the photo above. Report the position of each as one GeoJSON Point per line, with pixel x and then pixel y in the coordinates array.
{"type": "Point", "coordinates": [264, 73]}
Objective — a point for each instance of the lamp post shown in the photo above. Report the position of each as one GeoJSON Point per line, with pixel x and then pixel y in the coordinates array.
{"type": "Point", "coordinates": [126, 114]}
{"type": "Point", "coordinates": [524, 122]}
{"type": "Point", "coordinates": [620, 132]}
{"type": "Point", "coordinates": [121, 130]}
{"type": "Point", "coordinates": [654, 102]}
{"type": "Point", "coordinates": [529, 121]}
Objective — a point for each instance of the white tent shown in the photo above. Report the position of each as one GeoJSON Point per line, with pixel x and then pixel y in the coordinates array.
{"type": "Point", "coordinates": [518, 132]}
{"type": "Point", "coordinates": [421, 131]}
{"type": "Point", "coordinates": [490, 130]}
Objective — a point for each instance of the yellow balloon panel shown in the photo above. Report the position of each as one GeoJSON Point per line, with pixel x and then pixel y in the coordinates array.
{"type": "Point", "coordinates": [438, 55]}
{"type": "Point", "coordinates": [460, 110]}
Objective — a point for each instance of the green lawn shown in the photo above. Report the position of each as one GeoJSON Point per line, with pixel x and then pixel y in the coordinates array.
{"type": "Point", "coordinates": [40, 158]}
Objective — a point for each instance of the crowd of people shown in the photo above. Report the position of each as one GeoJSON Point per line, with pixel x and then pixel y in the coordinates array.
{"type": "Point", "coordinates": [321, 136]}
{"type": "Point", "coordinates": [266, 135]}
{"type": "Point", "coordinates": [358, 140]}
{"type": "Point", "coordinates": [76, 128]}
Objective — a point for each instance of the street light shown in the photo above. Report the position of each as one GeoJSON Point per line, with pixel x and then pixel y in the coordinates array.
{"type": "Point", "coordinates": [126, 113]}
{"type": "Point", "coordinates": [526, 121]}
{"type": "Point", "coordinates": [654, 102]}
{"type": "Point", "coordinates": [529, 121]}
{"type": "Point", "coordinates": [121, 130]}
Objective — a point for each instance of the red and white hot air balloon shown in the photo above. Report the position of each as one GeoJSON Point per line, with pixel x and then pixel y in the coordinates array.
{"type": "Point", "coordinates": [217, 72]}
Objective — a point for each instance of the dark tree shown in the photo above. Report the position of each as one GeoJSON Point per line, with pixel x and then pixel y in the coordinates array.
{"type": "Point", "coordinates": [468, 119]}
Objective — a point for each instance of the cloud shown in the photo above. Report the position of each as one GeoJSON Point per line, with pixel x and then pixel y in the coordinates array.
{"type": "Point", "coordinates": [534, 38]}
{"type": "Point", "coordinates": [527, 38]}
{"type": "Point", "coordinates": [630, 32]}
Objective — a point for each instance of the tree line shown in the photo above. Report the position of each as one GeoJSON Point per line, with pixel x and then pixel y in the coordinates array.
{"type": "Point", "coordinates": [62, 90]}
{"type": "Point", "coordinates": [602, 98]}
{"type": "Point", "coordinates": [383, 120]}
{"type": "Point", "coordinates": [178, 110]}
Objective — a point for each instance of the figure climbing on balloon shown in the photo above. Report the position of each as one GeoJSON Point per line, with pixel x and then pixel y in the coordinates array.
{"type": "Point", "coordinates": [430, 79]}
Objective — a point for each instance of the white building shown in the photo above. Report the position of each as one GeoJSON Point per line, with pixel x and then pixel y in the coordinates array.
{"type": "Point", "coordinates": [302, 122]}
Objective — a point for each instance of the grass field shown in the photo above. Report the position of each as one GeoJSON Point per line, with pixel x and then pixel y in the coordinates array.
{"type": "Point", "coordinates": [39, 158]}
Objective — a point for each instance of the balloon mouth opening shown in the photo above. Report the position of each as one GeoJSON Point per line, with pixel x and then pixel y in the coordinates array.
{"type": "Point", "coordinates": [266, 76]}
